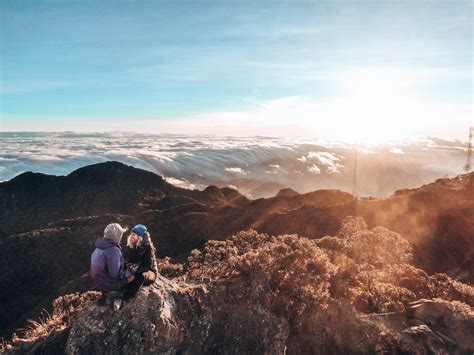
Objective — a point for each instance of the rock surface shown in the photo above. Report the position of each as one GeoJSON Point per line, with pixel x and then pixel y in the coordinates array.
{"type": "Point", "coordinates": [148, 323]}
{"type": "Point", "coordinates": [167, 318]}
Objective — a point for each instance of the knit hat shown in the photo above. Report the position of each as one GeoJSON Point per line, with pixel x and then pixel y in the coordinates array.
{"type": "Point", "coordinates": [140, 230]}
{"type": "Point", "coordinates": [114, 232]}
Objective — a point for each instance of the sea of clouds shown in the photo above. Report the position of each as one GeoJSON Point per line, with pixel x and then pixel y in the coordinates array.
{"type": "Point", "coordinates": [257, 166]}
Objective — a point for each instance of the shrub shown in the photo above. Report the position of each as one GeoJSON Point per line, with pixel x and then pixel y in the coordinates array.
{"type": "Point", "coordinates": [294, 270]}
{"type": "Point", "coordinates": [367, 267]}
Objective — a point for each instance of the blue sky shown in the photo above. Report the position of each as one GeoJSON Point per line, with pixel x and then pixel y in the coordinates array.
{"type": "Point", "coordinates": [282, 67]}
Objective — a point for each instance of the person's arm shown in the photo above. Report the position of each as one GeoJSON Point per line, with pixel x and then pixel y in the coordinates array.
{"type": "Point", "coordinates": [153, 262]}
{"type": "Point", "coordinates": [149, 258]}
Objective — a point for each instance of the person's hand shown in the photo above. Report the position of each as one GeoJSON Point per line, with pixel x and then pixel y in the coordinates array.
{"type": "Point", "coordinates": [131, 278]}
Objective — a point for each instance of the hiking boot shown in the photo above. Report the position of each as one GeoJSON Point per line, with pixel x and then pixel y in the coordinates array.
{"type": "Point", "coordinates": [111, 296]}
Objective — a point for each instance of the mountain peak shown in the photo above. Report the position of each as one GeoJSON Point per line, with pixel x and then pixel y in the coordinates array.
{"type": "Point", "coordinates": [286, 192]}
{"type": "Point", "coordinates": [114, 170]}
{"type": "Point", "coordinates": [28, 178]}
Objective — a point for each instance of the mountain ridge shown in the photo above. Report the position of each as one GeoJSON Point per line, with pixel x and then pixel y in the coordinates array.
{"type": "Point", "coordinates": [94, 189]}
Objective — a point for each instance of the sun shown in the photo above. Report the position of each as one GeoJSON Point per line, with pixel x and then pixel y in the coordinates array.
{"type": "Point", "coordinates": [378, 104]}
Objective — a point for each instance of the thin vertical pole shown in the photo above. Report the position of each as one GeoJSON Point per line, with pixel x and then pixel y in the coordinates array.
{"type": "Point", "coordinates": [354, 176]}
{"type": "Point", "coordinates": [468, 166]}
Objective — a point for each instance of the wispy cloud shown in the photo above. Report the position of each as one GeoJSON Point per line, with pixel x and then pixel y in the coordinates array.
{"type": "Point", "coordinates": [236, 170]}
{"type": "Point", "coordinates": [198, 161]}
{"type": "Point", "coordinates": [314, 169]}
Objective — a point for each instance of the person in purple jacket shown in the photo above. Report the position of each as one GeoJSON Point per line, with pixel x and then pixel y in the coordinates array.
{"type": "Point", "coordinates": [107, 265]}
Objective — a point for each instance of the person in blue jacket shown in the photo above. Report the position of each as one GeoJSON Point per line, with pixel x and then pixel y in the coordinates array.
{"type": "Point", "coordinates": [140, 257]}
{"type": "Point", "coordinates": [108, 271]}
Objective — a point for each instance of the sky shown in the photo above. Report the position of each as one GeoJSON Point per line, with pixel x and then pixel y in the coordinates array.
{"type": "Point", "coordinates": [369, 70]}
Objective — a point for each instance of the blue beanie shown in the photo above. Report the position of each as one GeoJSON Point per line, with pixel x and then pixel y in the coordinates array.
{"type": "Point", "coordinates": [139, 229]}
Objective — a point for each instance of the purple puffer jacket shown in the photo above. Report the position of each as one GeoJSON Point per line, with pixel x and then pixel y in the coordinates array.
{"type": "Point", "coordinates": [107, 266]}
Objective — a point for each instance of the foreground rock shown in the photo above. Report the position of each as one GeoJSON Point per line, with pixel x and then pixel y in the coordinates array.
{"type": "Point", "coordinates": [169, 319]}
{"type": "Point", "coordinates": [148, 323]}
{"type": "Point", "coordinates": [447, 324]}
{"type": "Point", "coordinates": [341, 329]}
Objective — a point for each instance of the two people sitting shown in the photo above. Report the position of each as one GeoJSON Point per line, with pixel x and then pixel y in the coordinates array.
{"type": "Point", "coordinates": [123, 277]}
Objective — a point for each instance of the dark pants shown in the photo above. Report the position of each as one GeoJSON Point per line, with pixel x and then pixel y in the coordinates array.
{"type": "Point", "coordinates": [141, 279]}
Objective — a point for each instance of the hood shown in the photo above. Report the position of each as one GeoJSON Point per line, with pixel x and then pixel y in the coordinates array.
{"type": "Point", "coordinates": [104, 243]}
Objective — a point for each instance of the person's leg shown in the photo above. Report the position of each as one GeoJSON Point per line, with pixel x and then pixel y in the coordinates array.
{"type": "Point", "coordinates": [146, 278]}
{"type": "Point", "coordinates": [133, 287]}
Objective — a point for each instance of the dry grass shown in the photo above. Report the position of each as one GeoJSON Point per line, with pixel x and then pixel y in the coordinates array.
{"type": "Point", "coordinates": [58, 320]}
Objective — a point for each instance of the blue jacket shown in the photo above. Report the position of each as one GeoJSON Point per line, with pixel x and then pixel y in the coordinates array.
{"type": "Point", "coordinates": [107, 266]}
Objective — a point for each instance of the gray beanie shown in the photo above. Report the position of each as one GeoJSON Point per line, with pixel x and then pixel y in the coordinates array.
{"type": "Point", "coordinates": [114, 232]}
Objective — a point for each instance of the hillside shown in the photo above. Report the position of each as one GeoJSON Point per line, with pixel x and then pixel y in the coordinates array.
{"type": "Point", "coordinates": [49, 225]}
{"type": "Point", "coordinates": [354, 292]}
{"type": "Point", "coordinates": [34, 200]}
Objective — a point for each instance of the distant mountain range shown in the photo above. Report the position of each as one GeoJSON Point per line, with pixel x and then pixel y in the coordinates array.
{"type": "Point", "coordinates": [48, 224]}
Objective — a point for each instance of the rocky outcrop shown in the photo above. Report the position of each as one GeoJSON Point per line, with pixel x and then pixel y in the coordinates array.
{"type": "Point", "coordinates": [446, 325]}
{"type": "Point", "coordinates": [341, 329]}
{"type": "Point", "coordinates": [148, 323]}
{"type": "Point", "coordinates": [167, 318]}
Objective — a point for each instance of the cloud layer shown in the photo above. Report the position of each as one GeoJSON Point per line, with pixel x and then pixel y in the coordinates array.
{"type": "Point", "coordinates": [198, 161]}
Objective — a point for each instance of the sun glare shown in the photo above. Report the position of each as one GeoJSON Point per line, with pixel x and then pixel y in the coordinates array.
{"type": "Point", "coordinates": [382, 104]}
